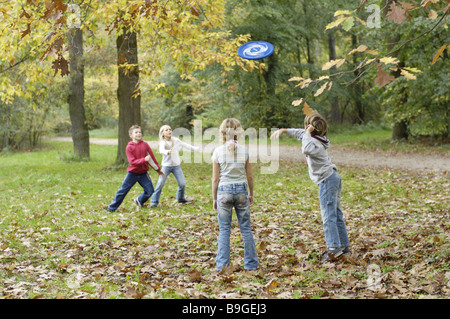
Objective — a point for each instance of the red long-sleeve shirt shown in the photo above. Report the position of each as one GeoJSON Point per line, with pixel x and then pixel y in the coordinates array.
{"type": "Point", "coordinates": [136, 153]}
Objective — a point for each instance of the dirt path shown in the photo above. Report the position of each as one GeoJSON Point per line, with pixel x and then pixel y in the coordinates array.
{"type": "Point", "coordinates": [416, 163]}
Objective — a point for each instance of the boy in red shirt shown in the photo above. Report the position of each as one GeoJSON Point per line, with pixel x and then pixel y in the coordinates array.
{"type": "Point", "coordinates": [140, 156]}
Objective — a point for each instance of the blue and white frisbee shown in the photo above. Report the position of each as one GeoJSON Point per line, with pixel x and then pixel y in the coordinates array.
{"type": "Point", "coordinates": [255, 50]}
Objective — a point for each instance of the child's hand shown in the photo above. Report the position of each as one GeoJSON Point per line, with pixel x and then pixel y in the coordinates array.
{"type": "Point", "coordinates": [251, 200]}
{"type": "Point", "coordinates": [277, 133]}
{"type": "Point", "coordinates": [215, 204]}
{"type": "Point", "coordinates": [310, 129]}
{"type": "Point", "coordinates": [161, 173]}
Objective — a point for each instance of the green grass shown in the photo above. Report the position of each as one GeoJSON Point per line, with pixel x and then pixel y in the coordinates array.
{"type": "Point", "coordinates": [56, 240]}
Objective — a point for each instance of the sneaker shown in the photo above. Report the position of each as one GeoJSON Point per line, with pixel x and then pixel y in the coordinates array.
{"type": "Point", "coordinates": [153, 205]}
{"type": "Point", "coordinates": [184, 201]}
{"type": "Point", "coordinates": [108, 210]}
{"type": "Point", "coordinates": [331, 255]}
{"type": "Point", "coordinates": [137, 202]}
{"type": "Point", "coordinates": [346, 250]}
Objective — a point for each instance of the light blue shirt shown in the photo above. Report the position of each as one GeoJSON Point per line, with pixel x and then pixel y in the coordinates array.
{"type": "Point", "coordinates": [232, 166]}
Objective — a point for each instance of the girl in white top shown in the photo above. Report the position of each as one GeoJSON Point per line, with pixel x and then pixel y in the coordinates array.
{"type": "Point", "coordinates": [169, 147]}
{"type": "Point", "coordinates": [232, 174]}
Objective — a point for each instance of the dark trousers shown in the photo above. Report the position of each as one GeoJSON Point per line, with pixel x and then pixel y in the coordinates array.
{"type": "Point", "coordinates": [132, 178]}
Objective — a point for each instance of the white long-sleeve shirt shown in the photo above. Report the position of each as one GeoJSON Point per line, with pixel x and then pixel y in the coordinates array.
{"type": "Point", "coordinates": [175, 145]}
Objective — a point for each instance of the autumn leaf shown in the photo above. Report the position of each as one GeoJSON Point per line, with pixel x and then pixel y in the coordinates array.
{"type": "Point", "coordinates": [406, 5]}
{"type": "Point", "coordinates": [396, 14]}
{"type": "Point", "coordinates": [383, 77]}
{"type": "Point", "coordinates": [337, 63]}
{"type": "Point", "coordinates": [296, 78]}
{"type": "Point", "coordinates": [297, 102]}
{"type": "Point", "coordinates": [408, 75]}
{"type": "Point", "coordinates": [307, 110]}
{"type": "Point", "coordinates": [432, 15]}
{"type": "Point", "coordinates": [321, 89]}
{"type": "Point", "coordinates": [341, 12]}
{"type": "Point", "coordinates": [61, 64]}
{"type": "Point", "coordinates": [361, 48]}
{"type": "Point", "coordinates": [389, 60]}
{"type": "Point", "coordinates": [438, 53]}
{"type": "Point", "coordinates": [335, 23]}
{"type": "Point", "coordinates": [195, 276]}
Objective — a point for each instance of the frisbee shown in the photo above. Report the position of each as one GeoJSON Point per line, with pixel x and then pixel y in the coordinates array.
{"type": "Point", "coordinates": [255, 50]}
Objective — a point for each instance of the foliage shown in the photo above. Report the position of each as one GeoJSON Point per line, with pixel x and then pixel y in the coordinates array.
{"type": "Point", "coordinates": [427, 116]}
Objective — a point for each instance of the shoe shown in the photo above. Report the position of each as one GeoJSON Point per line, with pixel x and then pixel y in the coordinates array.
{"type": "Point", "coordinates": [153, 205]}
{"type": "Point", "coordinates": [136, 201]}
{"type": "Point", "coordinates": [184, 201]}
{"type": "Point", "coordinates": [108, 210]}
{"type": "Point", "coordinates": [331, 255]}
{"type": "Point", "coordinates": [346, 250]}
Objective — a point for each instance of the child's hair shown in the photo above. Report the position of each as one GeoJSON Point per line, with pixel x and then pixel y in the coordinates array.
{"type": "Point", "coordinates": [231, 130]}
{"type": "Point", "coordinates": [161, 132]}
{"type": "Point", "coordinates": [130, 130]}
{"type": "Point", "coordinates": [318, 122]}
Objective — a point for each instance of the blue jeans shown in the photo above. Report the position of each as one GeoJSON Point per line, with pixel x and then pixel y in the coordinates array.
{"type": "Point", "coordinates": [130, 179]}
{"type": "Point", "coordinates": [179, 176]}
{"type": "Point", "coordinates": [332, 217]}
{"type": "Point", "coordinates": [229, 196]}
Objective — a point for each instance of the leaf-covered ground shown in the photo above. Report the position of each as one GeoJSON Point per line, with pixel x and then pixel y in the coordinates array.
{"type": "Point", "coordinates": [56, 240]}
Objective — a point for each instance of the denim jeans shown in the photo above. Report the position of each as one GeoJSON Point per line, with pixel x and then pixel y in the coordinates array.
{"type": "Point", "coordinates": [332, 217]}
{"type": "Point", "coordinates": [229, 196]}
{"type": "Point", "coordinates": [179, 176]}
{"type": "Point", "coordinates": [130, 179]}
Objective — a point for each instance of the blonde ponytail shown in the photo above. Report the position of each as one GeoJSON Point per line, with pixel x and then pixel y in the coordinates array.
{"type": "Point", "coordinates": [231, 130]}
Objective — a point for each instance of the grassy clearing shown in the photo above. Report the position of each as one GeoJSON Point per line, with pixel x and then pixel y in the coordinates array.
{"type": "Point", "coordinates": [56, 241]}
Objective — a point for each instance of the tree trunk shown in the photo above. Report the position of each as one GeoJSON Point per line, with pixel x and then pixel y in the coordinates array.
{"type": "Point", "coordinates": [400, 129]}
{"type": "Point", "coordinates": [127, 92]}
{"type": "Point", "coordinates": [80, 133]}
{"type": "Point", "coordinates": [359, 106]}
{"type": "Point", "coordinates": [335, 115]}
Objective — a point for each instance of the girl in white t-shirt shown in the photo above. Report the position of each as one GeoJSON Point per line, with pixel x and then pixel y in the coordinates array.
{"type": "Point", "coordinates": [232, 174]}
{"type": "Point", "coordinates": [169, 147]}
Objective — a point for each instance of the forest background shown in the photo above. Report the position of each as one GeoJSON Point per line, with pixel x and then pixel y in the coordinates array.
{"type": "Point", "coordinates": [383, 63]}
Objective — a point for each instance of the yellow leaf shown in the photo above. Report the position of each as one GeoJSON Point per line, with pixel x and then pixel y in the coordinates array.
{"type": "Point", "coordinates": [361, 48]}
{"type": "Point", "coordinates": [373, 52]}
{"type": "Point", "coordinates": [297, 102]}
{"type": "Point", "coordinates": [389, 60]}
{"type": "Point", "coordinates": [331, 84]}
{"type": "Point", "coordinates": [324, 77]}
{"type": "Point", "coordinates": [341, 12]}
{"type": "Point", "coordinates": [335, 23]}
{"type": "Point", "coordinates": [296, 78]}
{"type": "Point", "coordinates": [432, 15]}
{"type": "Point", "coordinates": [332, 63]}
{"type": "Point", "coordinates": [321, 89]}
{"type": "Point", "coordinates": [361, 21]}
{"type": "Point", "coordinates": [438, 54]}
{"type": "Point", "coordinates": [307, 110]}
{"type": "Point", "coordinates": [408, 75]}
{"type": "Point", "coordinates": [364, 63]}
{"type": "Point", "coordinates": [414, 70]}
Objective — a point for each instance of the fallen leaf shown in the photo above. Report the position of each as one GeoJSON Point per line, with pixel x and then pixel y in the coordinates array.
{"type": "Point", "coordinates": [195, 276]}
